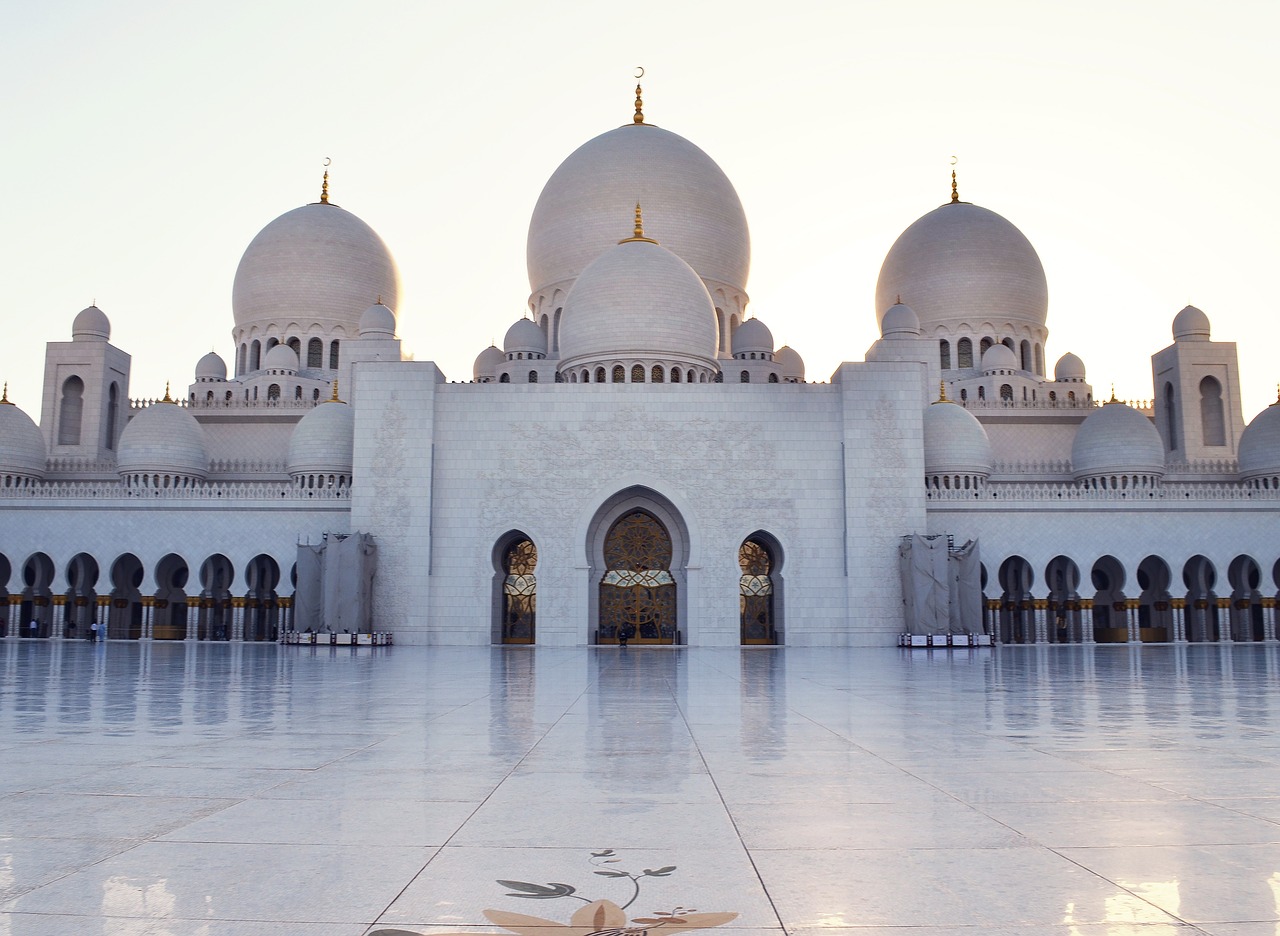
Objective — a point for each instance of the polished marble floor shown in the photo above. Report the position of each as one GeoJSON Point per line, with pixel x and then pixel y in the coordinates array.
{"type": "Point", "coordinates": [176, 790]}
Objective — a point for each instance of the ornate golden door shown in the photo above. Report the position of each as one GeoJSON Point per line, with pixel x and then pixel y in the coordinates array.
{"type": "Point", "coordinates": [755, 594]}
{"type": "Point", "coordinates": [638, 593]}
{"type": "Point", "coordinates": [519, 593]}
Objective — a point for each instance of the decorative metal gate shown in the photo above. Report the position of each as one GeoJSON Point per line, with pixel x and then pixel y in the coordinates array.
{"type": "Point", "coordinates": [755, 594]}
{"type": "Point", "coordinates": [638, 592]}
{"type": "Point", "coordinates": [519, 593]}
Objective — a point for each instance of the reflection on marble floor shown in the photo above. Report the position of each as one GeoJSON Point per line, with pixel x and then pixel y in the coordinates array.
{"type": "Point", "coordinates": [212, 789]}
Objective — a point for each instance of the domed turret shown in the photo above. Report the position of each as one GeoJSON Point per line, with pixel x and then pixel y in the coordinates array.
{"type": "Point", "coordinates": [526, 339]}
{"type": "Point", "coordinates": [211, 367]}
{"type": "Point", "coordinates": [487, 363]}
{"type": "Point", "coordinates": [1259, 451]}
{"type": "Point", "coordinates": [752, 337]}
{"type": "Point", "coordinates": [1116, 446]}
{"type": "Point", "coordinates": [1191, 324]}
{"type": "Point", "coordinates": [638, 300]}
{"type": "Point", "coordinates": [1069, 368]}
{"type": "Point", "coordinates": [957, 451]}
{"type": "Point", "coordinates": [322, 445]}
{"type": "Point", "coordinates": [91, 324]}
{"type": "Point", "coordinates": [792, 364]}
{"type": "Point", "coordinates": [693, 209]}
{"type": "Point", "coordinates": [281, 359]}
{"type": "Point", "coordinates": [998, 359]}
{"type": "Point", "coordinates": [163, 446]}
{"type": "Point", "coordinates": [316, 265]}
{"type": "Point", "coordinates": [900, 321]}
{"type": "Point", "coordinates": [964, 265]}
{"type": "Point", "coordinates": [378, 321]}
{"type": "Point", "coordinates": [23, 455]}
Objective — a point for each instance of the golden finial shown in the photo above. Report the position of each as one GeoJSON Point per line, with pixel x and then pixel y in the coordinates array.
{"type": "Point", "coordinates": [167, 398]}
{"type": "Point", "coordinates": [942, 393]}
{"type": "Point", "coordinates": [955, 192]}
{"type": "Point", "coordinates": [334, 398]}
{"type": "Point", "coordinates": [639, 117]}
{"type": "Point", "coordinates": [1276, 403]}
{"type": "Point", "coordinates": [639, 231]}
{"type": "Point", "coordinates": [324, 187]}
{"type": "Point", "coordinates": [899, 302]}
{"type": "Point", "coordinates": [5, 398]}
{"type": "Point", "coordinates": [1113, 395]}
{"type": "Point", "coordinates": [379, 299]}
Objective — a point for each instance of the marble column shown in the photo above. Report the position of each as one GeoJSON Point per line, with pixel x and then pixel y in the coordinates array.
{"type": "Point", "coordinates": [1041, 606]}
{"type": "Point", "coordinates": [1086, 620]}
{"type": "Point", "coordinates": [1268, 619]}
{"type": "Point", "coordinates": [237, 618]}
{"type": "Point", "coordinates": [993, 619]}
{"type": "Point", "coordinates": [1224, 621]}
{"type": "Point", "coordinates": [1178, 606]}
{"type": "Point", "coordinates": [58, 624]}
{"type": "Point", "coordinates": [148, 616]}
{"type": "Point", "coordinates": [1132, 619]}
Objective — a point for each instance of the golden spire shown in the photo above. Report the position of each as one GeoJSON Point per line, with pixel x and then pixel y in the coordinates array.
{"type": "Point", "coordinates": [1276, 403]}
{"type": "Point", "coordinates": [334, 398]}
{"type": "Point", "coordinates": [942, 393]}
{"type": "Point", "coordinates": [5, 399]}
{"type": "Point", "coordinates": [639, 117]}
{"type": "Point", "coordinates": [167, 398]}
{"type": "Point", "coordinates": [379, 302]}
{"type": "Point", "coordinates": [955, 192]}
{"type": "Point", "coordinates": [638, 236]}
{"type": "Point", "coordinates": [899, 302]}
{"type": "Point", "coordinates": [324, 186]}
{"type": "Point", "coordinates": [1113, 395]}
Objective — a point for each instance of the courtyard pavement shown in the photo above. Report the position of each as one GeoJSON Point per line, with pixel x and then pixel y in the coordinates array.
{"type": "Point", "coordinates": [214, 789]}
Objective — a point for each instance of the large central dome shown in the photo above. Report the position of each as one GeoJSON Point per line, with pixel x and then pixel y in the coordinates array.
{"type": "Point", "coordinates": [694, 209]}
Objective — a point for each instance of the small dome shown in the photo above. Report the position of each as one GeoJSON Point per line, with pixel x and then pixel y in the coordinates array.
{"type": "Point", "coordinates": [638, 300]}
{"type": "Point", "coordinates": [1190, 323]}
{"type": "Point", "coordinates": [22, 448]}
{"type": "Point", "coordinates": [487, 363]}
{"type": "Point", "coordinates": [900, 321]}
{"type": "Point", "coordinates": [1069, 367]}
{"type": "Point", "coordinates": [955, 442]}
{"type": "Point", "coordinates": [961, 263]}
{"type": "Point", "coordinates": [281, 357]}
{"type": "Point", "coordinates": [1116, 440]}
{"type": "Point", "coordinates": [792, 363]}
{"type": "Point", "coordinates": [752, 335]}
{"type": "Point", "coordinates": [211, 367]}
{"type": "Point", "coordinates": [998, 357]}
{"type": "Point", "coordinates": [1259, 452]}
{"type": "Point", "coordinates": [378, 321]}
{"type": "Point", "coordinates": [525, 336]}
{"type": "Point", "coordinates": [694, 209]}
{"type": "Point", "coordinates": [323, 441]}
{"type": "Point", "coordinates": [163, 439]}
{"type": "Point", "coordinates": [91, 324]}
{"type": "Point", "coordinates": [315, 264]}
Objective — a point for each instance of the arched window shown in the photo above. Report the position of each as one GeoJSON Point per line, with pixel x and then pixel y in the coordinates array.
{"type": "Point", "coordinates": [1053, 396]}
{"type": "Point", "coordinates": [599, 375]}
{"type": "Point", "coordinates": [1071, 396]}
{"type": "Point", "coordinates": [255, 355]}
{"type": "Point", "coordinates": [228, 397]}
{"type": "Point", "coordinates": [619, 374]}
{"type": "Point", "coordinates": [744, 377]}
{"type": "Point", "coordinates": [519, 592]}
{"type": "Point", "coordinates": [964, 396]}
{"type": "Point", "coordinates": [241, 358]}
{"type": "Point", "coordinates": [1170, 415]}
{"type": "Point", "coordinates": [296, 344]}
{"type": "Point", "coordinates": [297, 393]}
{"type": "Point", "coordinates": [964, 353]}
{"type": "Point", "coordinates": [505, 378]}
{"type": "Point", "coordinates": [773, 378]}
{"type": "Point", "coordinates": [1039, 359]}
{"type": "Point", "coordinates": [984, 345]}
{"type": "Point", "coordinates": [555, 332]}
{"type": "Point", "coordinates": [315, 353]}
{"type": "Point", "coordinates": [1211, 415]}
{"type": "Point", "coordinates": [982, 393]}
{"type": "Point", "coordinates": [333, 355]}
{"type": "Point", "coordinates": [71, 411]}
{"type": "Point", "coordinates": [586, 376]}
{"type": "Point", "coordinates": [113, 404]}
{"type": "Point", "coordinates": [1026, 355]}
{"type": "Point", "coordinates": [637, 373]}
{"type": "Point", "coordinates": [273, 392]}
{"type": "Point", "coordinates": [533, 376]}
{"type": "Point", "coordinates": [944, 353]}
{"type": "Point", "coordinates": [656, 375]}
{"type": "Point", "coordinates": [315, 394]}
{"type": "Point", "coordinates": [271, 343]}
{"type": "Point", "coordinates": [1006, 393]}
{"type": "Point", "coordinates": [208, 397]}
{"type": "Point", "coordinates": [675, 375]}
{"type": "Point", "coordinates": [755, 594]}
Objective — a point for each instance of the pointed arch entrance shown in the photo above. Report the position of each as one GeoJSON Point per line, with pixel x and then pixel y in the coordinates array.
{"type": "Point", "coordinates": [516, 598]}
{"type": "Point", "coordinates": [759, 560]}
{"type": "Point", "coordinates": [638, 548]}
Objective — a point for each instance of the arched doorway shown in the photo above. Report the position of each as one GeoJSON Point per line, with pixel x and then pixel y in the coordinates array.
{"type": "Point", "coordinates": [36, 604]}
{"type": "Point", "coordinates": [6, 571]}
{"type": "Point", "coordinates": [1017, 622]}
{"type": "Point", "coordinates": [1109, 622]}
{"type": "Point", "coordinates": [1155, 619]}
{"type": "Point", "coordinates": [1199, 576]}
{"type": "Point", "coordinates": [262, 613]}
{"type": "Point", "coordinates": [758, 598]}
{"type": "Point", "coordinates": [638, 592]}
{"type": "Point", "coordinates": [216, 575]}
{"type": "Point", "coordinates": [170, 614]}
{"type": "Point", "coordinates": [124, 621]}
{"type": "Point", "coordinates": [518, 590]}
{"type": "Point", "coordinates": [1062, 576]}
{"type": "Point", "coordinates": [1246, 601]}
{"type": "Point", "coordinates": [81, 597]}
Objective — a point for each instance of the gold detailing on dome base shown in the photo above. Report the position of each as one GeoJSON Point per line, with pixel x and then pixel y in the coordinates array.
{"type": "Point", "coordinates": [638, 236]}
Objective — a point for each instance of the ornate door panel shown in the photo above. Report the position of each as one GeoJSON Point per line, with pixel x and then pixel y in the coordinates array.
{"type": "Point", "coordinates": [637, 591]}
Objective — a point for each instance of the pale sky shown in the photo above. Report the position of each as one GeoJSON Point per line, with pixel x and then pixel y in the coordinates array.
{"type": "Point", "coordinates": [145, 144]}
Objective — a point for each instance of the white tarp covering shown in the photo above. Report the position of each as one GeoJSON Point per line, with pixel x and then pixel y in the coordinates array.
{"type": "Point", "coordinates": [941, 588]}
{"type": "Point", "coordinates": [335, 583]}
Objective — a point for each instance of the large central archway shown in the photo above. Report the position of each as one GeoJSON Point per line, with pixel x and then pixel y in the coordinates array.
{"type": "Point", "coordinates": [638, 550]}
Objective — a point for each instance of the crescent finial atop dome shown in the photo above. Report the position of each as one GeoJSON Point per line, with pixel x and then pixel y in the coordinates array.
{"type": "Point", "coordinates": [5, 398]}
{"type": "Point", "coordinates": [324, 189]}
{"type": "Point", "coordinates": [955, 192]}
{"type": "Point", "coordinates": [639, 115]}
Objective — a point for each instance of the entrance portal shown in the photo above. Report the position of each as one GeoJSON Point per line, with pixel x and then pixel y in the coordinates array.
{"type": "Point", "coordinates": [638, 593]}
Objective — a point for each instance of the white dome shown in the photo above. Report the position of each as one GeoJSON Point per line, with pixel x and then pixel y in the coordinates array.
{"type": "Point", "coordinates": [1116, 440]}
{"type": "Point", "coordinates": [962, 264]}
{"type": "Point", "coordinates": [526, 336]}
{"type": "Point", "coordinates": [91, 324]}
{"type": "Point", "coordinates": [1069, 367]}
{"type": "Point", "coordinates": [692, 208]}
{"type": "Point", "coordinates": [998, 357]}
{"type": "Point", "coordinates": [955, 442]}
{"type": "Point", "coordinates": [22, 448]}
{"type": "Point", "coordinates": [752, 335]}
{"type": "Point", "coordinates": [792, 363]}
{"type": "Point", "coordinates": [1190, 323]}
{"type": "Point", "coordinates": [638, 300]}
{"type": "Point", "coordinates": [315, 265]}
{"type": "Point", "coordinates": [487, 363]}
{"type": "Point", "coordinates": [281, 357]}
{"type": "Point", "coordinates": [378, 321]}
{"type": "Point", "coordinates": [211, 367]}
{"type": "Point", "coordinates": [163, 439]}
{"type": "Point", "coordinates": [323, 441]}
{"type": "Point", "coordinates": [899, 321]}
{"type": "Point", "coordinates": [1259, 452]}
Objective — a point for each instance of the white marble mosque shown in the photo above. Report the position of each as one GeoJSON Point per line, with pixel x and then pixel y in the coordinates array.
{"type": "Point", "coordinates": [639, 456]}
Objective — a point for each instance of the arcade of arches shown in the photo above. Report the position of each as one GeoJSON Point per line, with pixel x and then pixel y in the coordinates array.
{"type": "Point", "coordinates": [1155, 603]}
